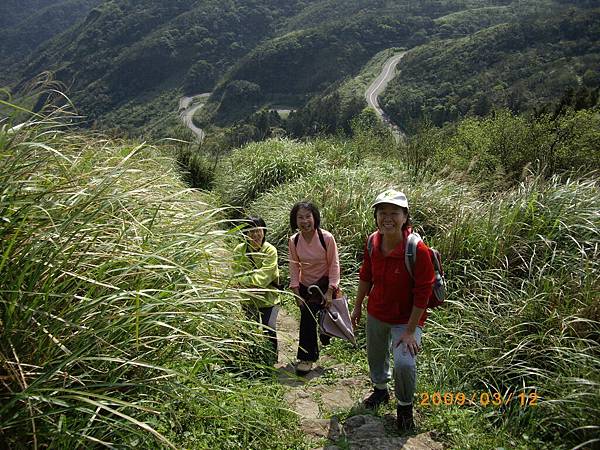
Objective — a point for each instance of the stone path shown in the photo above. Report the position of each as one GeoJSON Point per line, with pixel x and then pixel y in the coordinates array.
{"type": "Point", "coordinates": [322, 394]}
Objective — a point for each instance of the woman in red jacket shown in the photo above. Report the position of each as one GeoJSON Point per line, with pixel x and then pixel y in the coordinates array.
{"type": "Point", "coordinates": [396, 309]}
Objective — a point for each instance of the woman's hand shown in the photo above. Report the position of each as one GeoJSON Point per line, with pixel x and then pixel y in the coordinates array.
{"type": "Point", "coordinates": [356, 315]}
{"type": "Point", "coordinates": [364, 287]}
{"type": "Point", "coordinates": [328, 300]}
{"type": "Point", "coordinates": [408, 338]}
{"type": "Point", "coordinates": [297, 297]}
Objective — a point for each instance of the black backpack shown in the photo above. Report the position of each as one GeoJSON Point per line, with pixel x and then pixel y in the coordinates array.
{"type": "Point", "coordinates": [321, 239]}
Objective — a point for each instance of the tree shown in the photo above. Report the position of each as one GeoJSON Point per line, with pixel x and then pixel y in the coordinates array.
{"type": "Point", "coordinates": [200, 78]}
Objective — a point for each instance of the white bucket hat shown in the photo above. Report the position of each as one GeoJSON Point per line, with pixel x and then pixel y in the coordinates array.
{"type": "Point", "coordinates": [393, 197]}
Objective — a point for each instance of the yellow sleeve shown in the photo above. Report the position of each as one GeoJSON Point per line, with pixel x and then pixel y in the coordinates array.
{"type": "Point", "coordinates": [241, 263]}
{"type": "Point", "coordinates": [266, 270]}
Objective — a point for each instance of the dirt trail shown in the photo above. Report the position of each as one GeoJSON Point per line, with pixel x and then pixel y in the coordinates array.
{"type": "Point", "coordinates": [329, 389]}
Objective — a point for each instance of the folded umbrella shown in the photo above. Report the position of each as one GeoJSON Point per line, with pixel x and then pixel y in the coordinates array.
{"type": "Point", "coordinates": [335, 320]}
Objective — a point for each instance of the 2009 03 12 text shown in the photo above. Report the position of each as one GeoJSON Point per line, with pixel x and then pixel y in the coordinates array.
{"type": "Point", "coordinates": [478, 398]}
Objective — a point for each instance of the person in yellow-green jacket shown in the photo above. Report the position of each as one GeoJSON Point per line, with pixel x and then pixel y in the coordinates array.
{"type": "Point", "coordinates": [255, 266]}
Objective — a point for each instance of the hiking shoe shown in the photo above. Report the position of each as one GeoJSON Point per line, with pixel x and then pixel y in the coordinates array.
{"type": "Point", "coordinates": [303, 367]}
{"type": "Point", "coordinates": [377, 397]}
{"type": "Point", "coordinates": [404, 418]}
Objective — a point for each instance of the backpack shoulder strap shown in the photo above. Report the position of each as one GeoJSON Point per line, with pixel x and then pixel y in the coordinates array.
{"type": "Point", "coordinates": [410, 253]}
{"type": "Point", "coordinates": [371, 243]}
{"type": "Point", "coordinates": [322, 238]}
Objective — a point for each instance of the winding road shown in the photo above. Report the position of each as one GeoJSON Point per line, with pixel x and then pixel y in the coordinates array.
{"type": "Point", "coordinates": [189, 105]}
{"type": "Point", "coordinates": [377, 87]}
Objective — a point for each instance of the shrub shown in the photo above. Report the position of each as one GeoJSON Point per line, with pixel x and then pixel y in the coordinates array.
{"type": "Point", "coordinates": [259, 167]}
{"type": "Point", "coordinates": [197, 167]}
{"type": "Point", "coordinates": [498, 151]}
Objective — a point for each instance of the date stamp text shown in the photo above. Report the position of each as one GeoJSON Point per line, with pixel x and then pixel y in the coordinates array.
{"type": "Point", "coordinates": [484, 398]}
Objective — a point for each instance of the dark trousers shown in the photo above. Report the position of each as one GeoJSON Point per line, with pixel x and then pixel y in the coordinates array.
{"type": "Point", "coordinates": [308, 346]}
{"type": "Point", "coordinates": [268, 318]}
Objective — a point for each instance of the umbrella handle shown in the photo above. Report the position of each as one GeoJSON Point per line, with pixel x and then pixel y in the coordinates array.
{"type": "Point", "coordinates": [314, 286]}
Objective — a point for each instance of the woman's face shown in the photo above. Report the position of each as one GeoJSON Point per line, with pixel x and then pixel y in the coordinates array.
{"type": "Point", "coordinates": [305, 220]}
{"type": "Point", "coordinates": [255, 237]}
{"type": "Point", "coordinates": [390, 218]}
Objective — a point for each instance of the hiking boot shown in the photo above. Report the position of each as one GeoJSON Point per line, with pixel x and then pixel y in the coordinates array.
{"type": "Point", "coordinates": [377, 397]}
{"type": "Point", "coordinates": [404, 418]}
{"type": "Point", "coordinates": [303, 367]}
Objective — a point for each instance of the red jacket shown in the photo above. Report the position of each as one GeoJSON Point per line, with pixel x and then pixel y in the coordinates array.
{"type": "Point", "coordinates": [393, 290]}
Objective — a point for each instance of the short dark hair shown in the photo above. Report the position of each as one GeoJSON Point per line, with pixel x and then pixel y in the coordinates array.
{"type": "Point", "coordinates": [408, 222]}
{"type": "Point", "coordinates": [304, 205]}
{"type": "Point", "coordinates": [255, 222]}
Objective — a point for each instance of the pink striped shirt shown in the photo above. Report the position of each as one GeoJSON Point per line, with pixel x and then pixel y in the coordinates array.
{"type": "Point", "coordinates": [309, 261]}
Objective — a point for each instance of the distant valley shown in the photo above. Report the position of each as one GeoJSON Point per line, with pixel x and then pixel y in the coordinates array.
{"type": "Point", "coordinates": [125, 64]}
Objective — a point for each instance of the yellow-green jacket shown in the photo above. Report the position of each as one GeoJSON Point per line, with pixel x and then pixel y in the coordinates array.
{"type": "Point", "coordinates": [259, 274]}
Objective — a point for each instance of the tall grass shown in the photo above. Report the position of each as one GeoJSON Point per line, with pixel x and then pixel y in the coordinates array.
{"type": "Point", "coordinates": [255, 169]}
{"type": "Point", "coordinates": [524, 310]}
{"type": "Point", "coordinates": [116, 324]}
{"type": "Point", "coordinates": [259, 168]}
{"type": "Point", "coordinates": [523, 271]}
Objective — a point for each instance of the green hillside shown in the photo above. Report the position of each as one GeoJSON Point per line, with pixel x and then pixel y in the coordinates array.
{"type": "Point", "coordinates": [25, 24]}
{"type": "Point", "coordinates": [299, 65]}
{"type": "Point", "coordinates": [525, 56]}
{"type": "Point", "coordinates": [122, 62]}
{"type": "Point", "coordinates": [131, 52]}
{"type": "Point", "coordinates": [14, 11]}
{"type": "Point", "coordinates": [524, 66]}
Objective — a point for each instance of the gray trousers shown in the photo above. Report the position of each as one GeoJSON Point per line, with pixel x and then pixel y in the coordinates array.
{"type": "Point", "coordinates": [381, 339]}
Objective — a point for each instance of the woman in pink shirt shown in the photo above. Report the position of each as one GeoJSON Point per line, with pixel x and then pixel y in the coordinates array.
{"type": "Point", "coordinates": [314, 260]}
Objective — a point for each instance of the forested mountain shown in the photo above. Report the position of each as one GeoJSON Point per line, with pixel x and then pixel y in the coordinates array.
{"type": "Point", "coordinates": [14, 11]}
{"type": "Point", "coordinates": [127, 49]}
{"type": "Point", "coordinates": [523, 66]}
{"type": "Point", "coordinates": [524, 56]}
{"type": "Point", "coordinates": [25, 24]}
{"type": "Point", "coordinates": [127, 63]}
